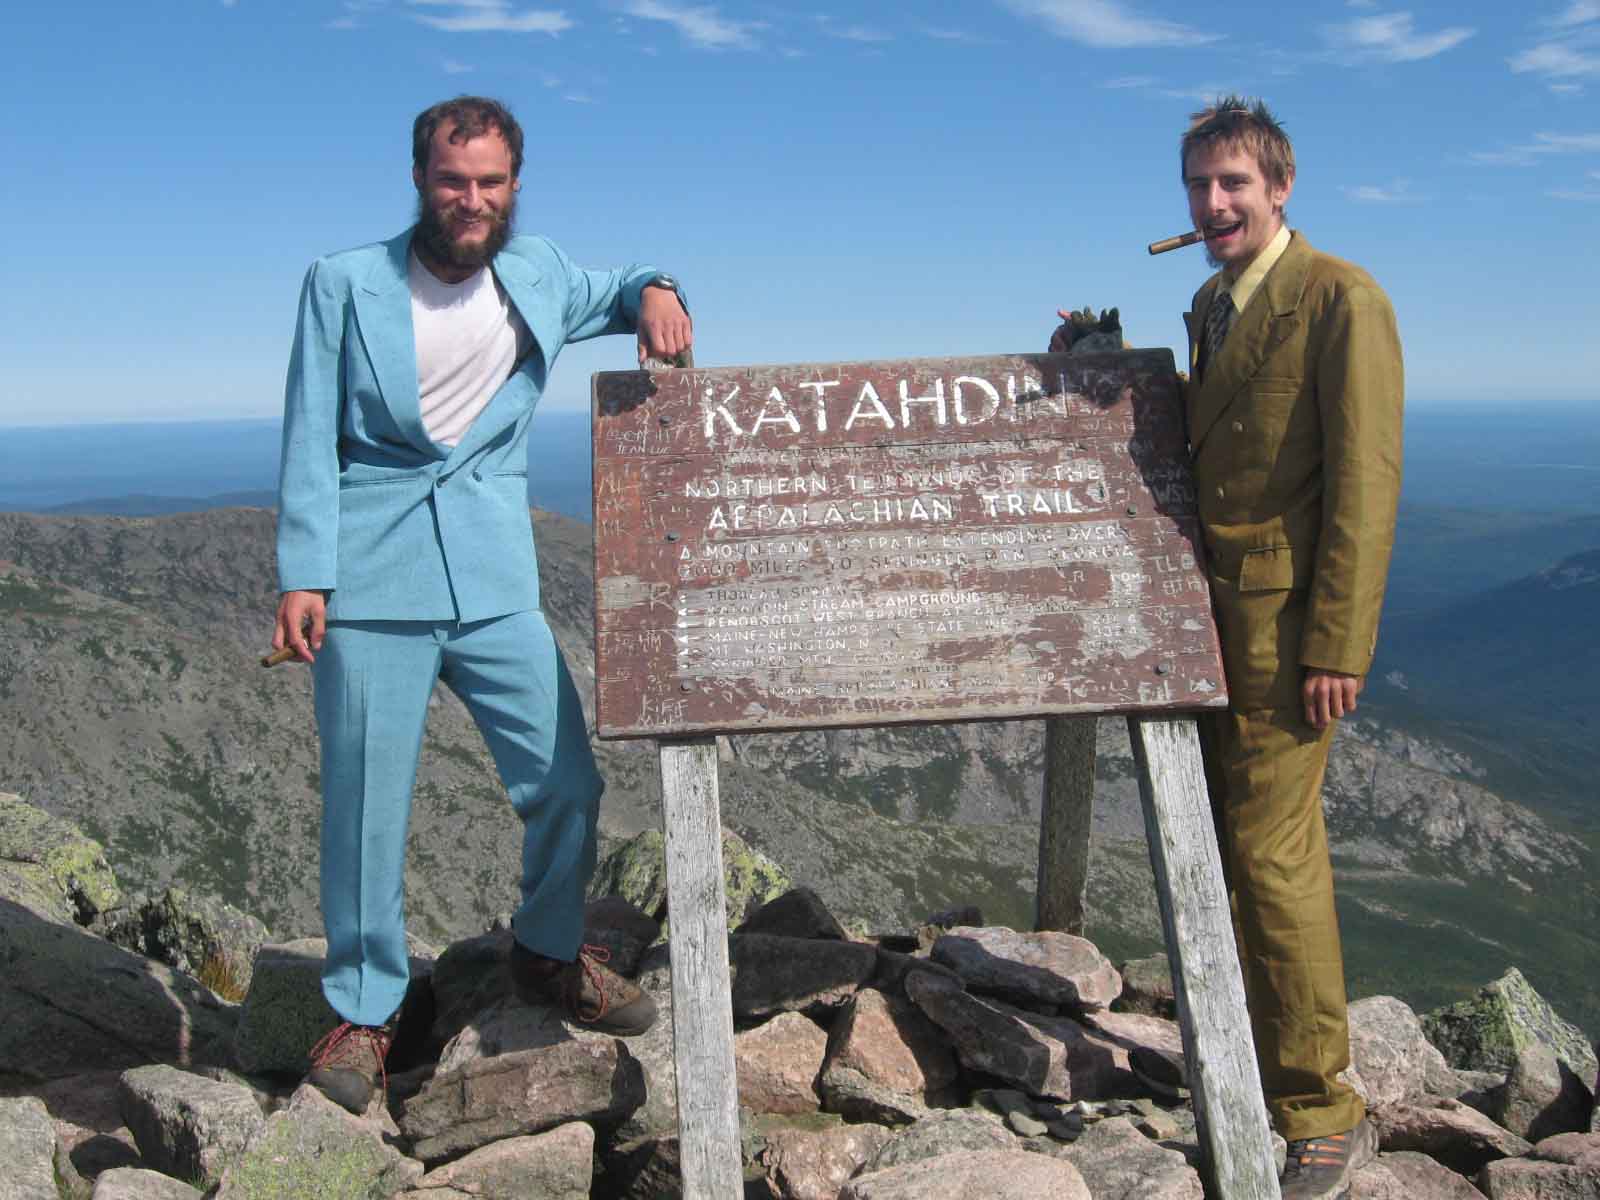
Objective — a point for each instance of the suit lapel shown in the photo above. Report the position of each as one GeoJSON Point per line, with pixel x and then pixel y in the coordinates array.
{"type": "Point", "coordinates": [1271, 319]}
{"type": "Point", "coordinates": [383, 314]}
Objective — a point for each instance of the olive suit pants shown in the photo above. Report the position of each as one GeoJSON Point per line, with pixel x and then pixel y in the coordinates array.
{"type": "Point", "coordinates": [1264, 770]}
{"type": "Point", "coordinates": [373, 680]}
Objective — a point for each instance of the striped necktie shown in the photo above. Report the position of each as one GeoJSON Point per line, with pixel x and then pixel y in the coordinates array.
{"type": "Point", "coordinates": [1219, 319]}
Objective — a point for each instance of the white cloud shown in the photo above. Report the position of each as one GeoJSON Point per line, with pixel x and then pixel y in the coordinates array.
{"type": "Point", "coordinates": [1398, 192]}
{"type": "Point", "coordinates": [1579, 12]}
{"type": "Point", "coordinates": [491, 16]}
{"type": "Point", "coordinates": [1542, 144]}
{"type": "Point", "coordinates": [1392, 37]}
{"type": "Point", "coordinates": [952, 35]}
{"type": "Point", "coordinates": [578, 98]}
{"type": "Point", "coordinates": [1588, 194]}
{"type": "Point", "coordinates": [1566, 89]}
{"type": "Point", "coordinates": [1131, 81]}
{"type": "Point", "coordinates": [1107, 24]}
{"type": "Point", "coordinates": [858, 33]}
{"type": "Point", "coordinates": [1559, 60]}
{"type": "Point", "coordinates": [701, 26]}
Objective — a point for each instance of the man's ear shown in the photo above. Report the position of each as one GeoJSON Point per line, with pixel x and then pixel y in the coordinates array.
{"type": "Point", "coordinates": [1280, 196]}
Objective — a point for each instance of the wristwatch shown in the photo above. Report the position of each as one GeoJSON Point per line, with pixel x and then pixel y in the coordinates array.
{"type": "Point", "coordinates": [670, 284]}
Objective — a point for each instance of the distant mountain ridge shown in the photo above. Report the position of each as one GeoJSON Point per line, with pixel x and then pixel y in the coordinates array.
{"type": "Point", "coordinates": [133, 706]}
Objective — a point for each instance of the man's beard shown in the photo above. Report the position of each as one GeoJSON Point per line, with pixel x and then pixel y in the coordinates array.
{"type": "Point", "coordinates": [434, 235]}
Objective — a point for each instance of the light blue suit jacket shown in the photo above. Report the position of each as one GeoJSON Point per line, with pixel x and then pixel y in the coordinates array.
{"type": "Point", "coordinates": [370, 509]}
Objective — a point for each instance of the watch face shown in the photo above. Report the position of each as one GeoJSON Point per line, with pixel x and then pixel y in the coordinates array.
{"type": "Point", "coordinates": [664, 281]}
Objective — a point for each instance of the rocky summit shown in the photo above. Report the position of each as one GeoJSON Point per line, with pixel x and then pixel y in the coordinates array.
{"type": "Point", "coordinates": [955, 1060]}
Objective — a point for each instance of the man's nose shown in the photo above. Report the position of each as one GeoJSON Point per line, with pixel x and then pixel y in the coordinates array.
{"type": "Point", "coordinates": [471, 197]}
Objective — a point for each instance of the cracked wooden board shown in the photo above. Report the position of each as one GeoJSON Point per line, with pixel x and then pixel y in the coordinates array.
{"type": "Point", "coordinates": [843, 544]}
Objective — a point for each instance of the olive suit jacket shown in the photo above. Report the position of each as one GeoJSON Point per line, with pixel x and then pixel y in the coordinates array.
{"type": "Point", "coordinates": [1295, 438]}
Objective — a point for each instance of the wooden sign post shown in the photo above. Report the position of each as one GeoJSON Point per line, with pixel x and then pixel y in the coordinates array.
{"type": "Point", "coordinates": [863, 544]}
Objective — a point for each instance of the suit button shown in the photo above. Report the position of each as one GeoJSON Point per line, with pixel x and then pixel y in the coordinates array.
{"type": "Point", "coordinates": [442, 480]}
{"type": "Point", "coordinates": [1220, 493]}
{"type": "Point", "coordinates": [477, 477]}
{"type": "Point", "coordinates": [1238, 426]}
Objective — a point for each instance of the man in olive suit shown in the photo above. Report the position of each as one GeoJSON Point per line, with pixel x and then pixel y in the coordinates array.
{"type": "Point", "coordinates": [1294, 424]}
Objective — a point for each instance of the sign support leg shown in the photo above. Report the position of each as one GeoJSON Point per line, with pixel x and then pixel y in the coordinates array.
{"type": "Point", "coordinates": [1217, 1050]}
{"type": "Point", "coordinates": [702, 1004]}
{"type": "Point", "coordinates": [1064, 820]}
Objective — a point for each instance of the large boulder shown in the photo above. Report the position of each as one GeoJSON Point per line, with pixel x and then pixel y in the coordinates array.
{"type": "Point", "coordinates": [1486, 1032]}
{"type": "Point", "coordinates": [885, 1061]}
{"type": "Point", "coordinates": [313, 1147]}
{"type": "Point", "coordinates": [814, 1163]}
{"type": "Point", "coordinates": [939, 1134]}
{"type": "Point", "coordinates": [186, 1125]}
{"type": "Point", "coordinates": [1564, 1167]}
{"type": "Point", "coordinates": [28, 1150]}
{"type": "Point", "coordinates": [992, 1174]}
{"type": "Point", "coordinates": [777, 1064]}
{"type": "Point", "coordinates": [1461, 1138]}
{"type": "Point", "coordinates": [52, 858]}
{"type": "Point", "coordinates": [1391, 1062]}
{"type": "Point", "coordinates": [1408, 1175]}
{"type": "Point", "coordinates": [1541, 1097]}
{"type": "Point", "coordinates": [558, 1165]}
{"type": "Point", "coordinates": [1030, 969]}
{"type": "Point", "coordinates": [773, 974]}
{"type": "Point", "coordinates": [1120, 1163]}
{"type": "Point", "coordinates": [637, 871]}
{"type": "Point", "coordinates": [71, 1002]}
{"type": "Point", "coordinates": [214, 942]}
{"type": "Point", "coordinates": [135, 1183]}
{"type": "Point", "coordinates": [525, 1091]}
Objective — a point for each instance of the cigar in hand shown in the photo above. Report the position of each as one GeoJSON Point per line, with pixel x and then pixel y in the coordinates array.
{"type": "Point", "coordinates": [1172, 243]}
{"type": "Point", "coordinates": [277, 656]}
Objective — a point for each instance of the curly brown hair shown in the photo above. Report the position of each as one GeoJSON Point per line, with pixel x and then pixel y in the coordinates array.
{"type": "Point", "coordinates": [472, 116]}
{"type": "Point", "coordinates": [1244, 124]}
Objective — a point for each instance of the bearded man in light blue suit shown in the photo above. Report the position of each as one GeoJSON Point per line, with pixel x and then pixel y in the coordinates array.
{"type": "Point", "coordinates": [406, 556]}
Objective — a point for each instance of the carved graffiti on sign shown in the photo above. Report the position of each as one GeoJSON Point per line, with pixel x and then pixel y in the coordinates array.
{"type": "Point", "coordinates": [842, 544]}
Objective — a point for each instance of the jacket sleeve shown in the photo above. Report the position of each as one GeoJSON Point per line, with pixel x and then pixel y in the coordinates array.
{"type": "Point", "coordinates": [601, 302]}
{"type": "Point", "coordinates": [1360, 380]}
{"type": "Point", "coordinates": [308, 474]}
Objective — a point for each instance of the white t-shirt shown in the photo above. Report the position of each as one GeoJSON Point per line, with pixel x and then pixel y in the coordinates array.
{"type": "Point", "coordinates": [469, 339]}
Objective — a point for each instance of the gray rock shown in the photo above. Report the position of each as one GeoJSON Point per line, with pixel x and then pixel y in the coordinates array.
{"type": "Point", "coordinates": [1391, 1062]}
{"type": "Point", "coordinates": [653, 1050]}
{"type": "Point", "coordinates": [885, 1061]}
{"type": "Point", "coordinates": [778, 1063]}
{"type": "Point", "coordinates": [1408, 1175]}
{"type": "Point", "coordinates": [813, 1164]}
{"type": "Point", "coordinates": [314, 1148]}
{"type": "Point", "coordinates": [1533, 1179]}
{"type": "Point", "coordinates": [285, 1013]}
{"type": "Point", "coordinates": [185, 1125]}
{"type": "Point", "coordinates": [558, 1165]}
{"type": "Point", "coordinates": [645, 1169]}
{"type": "Point", "coordinates": [1461, 1138]}
{"type": "Point", "coordinates": [637, 871]}
{"type": "Point", "coordinates": [1541, 1097]}
{"type": "Point", "coordinates": [28, 1149]}
{"type": "Point", "coordinates": [773, 974]}
{"type": "Point", "coordinates": [800, 913]}
{"type": "Point", "coordinates": [1154, 1046]}
{"type": "Point", "coordinates": [1044, 1056]}
{"type": "Point", "coordinates": [993, 1174]}
{"type": "Point", "coordinates": [1573, 1149]}
{"type": "Point", "coordinates": [70, 1002]}
{"type": "Point", "coordinates": [1025, 1124]}
{"type": "Point", "coordinates": [1120, 1163]}
{"type": "Point", "coordinates": [132, 1183]}
{"type": "Point", "coordinates": [1147, 988]}
{"type": "Point", "coordinates": [1030, 968]}
{"type": "Point", "coordinates": [526, 1091]}
{"type": "Point", "coordinates": [67, 862]}
{"type": "Point", "coordinates": [1486, 1032]}
{"type": "Point", "coordinates": [214, 942]}
{"type": "Point", "coordinates": [942, 1133]}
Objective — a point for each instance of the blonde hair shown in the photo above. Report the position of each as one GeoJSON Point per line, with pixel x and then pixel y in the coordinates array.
{"type": "Point", "coordinates": [1248, 125]}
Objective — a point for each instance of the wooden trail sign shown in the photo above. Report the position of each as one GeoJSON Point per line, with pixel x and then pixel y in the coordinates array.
{"type": "Point", "coordinates": [847, 544]}
{"type": "Point", "coordinates": [858, 544]}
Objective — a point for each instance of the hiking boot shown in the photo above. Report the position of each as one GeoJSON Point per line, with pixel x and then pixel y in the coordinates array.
{"type": "Point", "coordinates": [587, 991]}
{"type": "Point", "coordinates": [347, 1064]}
{"type": "Point", "coordinates": [1320, 1168]}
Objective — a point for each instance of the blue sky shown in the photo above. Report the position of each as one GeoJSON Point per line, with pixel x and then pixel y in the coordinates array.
{"type": "Point", "coordinates": [850, 181]}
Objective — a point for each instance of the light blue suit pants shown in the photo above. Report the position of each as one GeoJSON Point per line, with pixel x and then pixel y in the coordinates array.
{"type": "Point", "coordinates": [373, 680]}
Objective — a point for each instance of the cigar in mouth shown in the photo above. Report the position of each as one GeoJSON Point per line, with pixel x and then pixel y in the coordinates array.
{"type": "Point", "coordinates": [276, 657]}
{"type": "Point", "coordinates": [1172, 243]}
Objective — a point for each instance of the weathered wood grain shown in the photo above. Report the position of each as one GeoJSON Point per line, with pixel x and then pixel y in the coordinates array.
{"type": "Point", "coordinates": [1218, 1053]}
{"type": "Point", "coordinates": [868, 543]}
{"type": "Point", "coordinates": [1064, 821]}
{"type": "Point", "coordinates": [702, 1008]}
